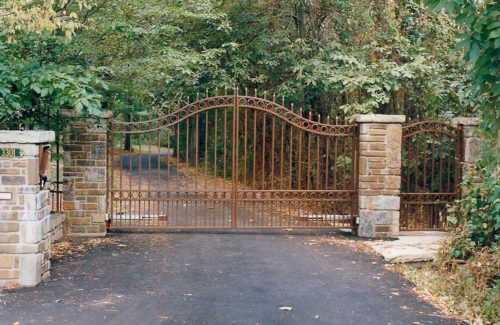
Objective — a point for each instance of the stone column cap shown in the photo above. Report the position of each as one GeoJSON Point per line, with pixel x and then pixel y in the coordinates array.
{"type": "Point", "coordinates": [75, 113]}
{"type": "Point", "coordinates": [379, 118]}
{"type": "Point", "coordinates": [33, 137]}
{"type": "Point", "coordinates": [465, 121]}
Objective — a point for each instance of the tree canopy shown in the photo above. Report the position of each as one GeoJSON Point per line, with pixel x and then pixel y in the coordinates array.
{"type": "Point", "coordinates": [331, 57]}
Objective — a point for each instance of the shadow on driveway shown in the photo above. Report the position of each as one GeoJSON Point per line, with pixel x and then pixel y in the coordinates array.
{"type": "Point", "coordinates": [200, 278]}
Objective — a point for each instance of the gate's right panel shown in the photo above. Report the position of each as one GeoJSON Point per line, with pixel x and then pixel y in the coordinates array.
{"type": "Point", "coordinates": [430, 177]}
{"type": "Point", "coordinates": [291, 171]}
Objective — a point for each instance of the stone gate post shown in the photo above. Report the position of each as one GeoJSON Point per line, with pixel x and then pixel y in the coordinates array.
{"type": "Point", "coordinates": [470, 142]}
{"type": "Point", "coordinates": [85, 175]}
{"type": "Point", "coordinates": [24, 207]}
{"type": "Point", "coordinates": [379, 174]}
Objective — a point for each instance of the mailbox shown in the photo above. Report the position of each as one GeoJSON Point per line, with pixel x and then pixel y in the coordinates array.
{"type": "Point", "coordinates": [44, 164]}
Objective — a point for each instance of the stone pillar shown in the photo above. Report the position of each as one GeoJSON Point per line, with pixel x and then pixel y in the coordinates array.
{"type": "Point", "coordinates": [379, 174]}
{"type": "Point", "coordinates": [84, 174]}
{"type": "Point", "coordinates": [24, 208]}
{"type": "Point", "coordinates": [471, 142]}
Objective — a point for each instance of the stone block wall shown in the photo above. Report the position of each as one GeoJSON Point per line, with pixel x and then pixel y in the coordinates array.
{"type": "Point", "coordinates": [56, 227]}
{"type": "Point", "coordinates": [24, 210]}
{"type": "Point", "coordinates": [379, 184]}
{"type": "Point", "coordinates": [84, 174]}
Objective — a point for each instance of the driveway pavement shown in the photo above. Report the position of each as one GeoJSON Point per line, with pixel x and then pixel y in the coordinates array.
{"type": "Point", "coordinates": [201, 278]}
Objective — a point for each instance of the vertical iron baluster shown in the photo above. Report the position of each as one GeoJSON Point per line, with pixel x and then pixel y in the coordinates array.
{"type": "Point", "coordinates": [335, 157]}
{"type": "Point", "coordinates": [282, 153]}
{"type": "Point", "coordinates": [273, 135]}
{"type": "Point", "coordinates": [149, 175]}
{"type": "Point", "coordinates": [299, 169]}
{"type": "Point", "coordinates": [318, 160]}
{"type": "Point", "coordinates": [206, 170]}
{"type": "Point", "coordinates": [234, 172]}
{"type": "Point", "coordinates": [224, 176]}
{"type": "Point", "coordinates": [187, 217]}
{"type": "Point", "coordinates": [177, 176]}
{"type": "Point", "coordinates": [110, 188]}
{"type": "Point", "coordinates": [140, 171]}
{"type": "Point", "coordinates": [158, 179]}
{"type": "Point", "coordinates": [196, 194]}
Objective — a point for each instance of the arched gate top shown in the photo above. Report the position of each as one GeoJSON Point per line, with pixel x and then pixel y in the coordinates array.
{"type": "Point", "coordinates": [431, 126]}
{"type": "Point", "coordinates": [231, 102]}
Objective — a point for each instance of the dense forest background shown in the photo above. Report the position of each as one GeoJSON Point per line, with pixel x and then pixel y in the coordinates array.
{"type": "Point", "coordinates": [331, 57]}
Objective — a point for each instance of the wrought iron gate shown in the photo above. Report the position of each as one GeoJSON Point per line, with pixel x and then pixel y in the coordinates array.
{"type": "Point", "coordinates": [232, 161]}
{"type": "Point", "coordinates": [432, 153]}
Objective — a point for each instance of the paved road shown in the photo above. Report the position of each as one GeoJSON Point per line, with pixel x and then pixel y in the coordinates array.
{"type": "Point", "coordinates": [199, 278]}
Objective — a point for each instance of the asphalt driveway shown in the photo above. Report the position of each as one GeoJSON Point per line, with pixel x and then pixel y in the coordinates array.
{"type": "Point", "coordinates": [200, 278]}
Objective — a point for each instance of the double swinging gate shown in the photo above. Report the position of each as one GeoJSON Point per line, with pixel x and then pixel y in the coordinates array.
{"type": "Point", "coordinates": [232, 161]}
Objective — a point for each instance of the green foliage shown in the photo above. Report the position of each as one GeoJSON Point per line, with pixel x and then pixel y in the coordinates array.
{"type": "Point", "coordinates": [339, 58]}
{"type": "Point", "coordinates": [40, 16]}
{"type": "Point", "coordinates": [332, 57]}
{"type": "Point", "coordinates": [478, 212]}
{"type": "Point", "coordinates": [35, 79]}
{"type": "Point", "coordinates": [153, 53]}
{"type": "Point", "coordinates": [477, 215]}
{"type": "Point", "coordinates": [480, 42]}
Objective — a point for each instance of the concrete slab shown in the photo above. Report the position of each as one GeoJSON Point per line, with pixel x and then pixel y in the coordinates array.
{"type": "Point", "coordinates": [415, 246]}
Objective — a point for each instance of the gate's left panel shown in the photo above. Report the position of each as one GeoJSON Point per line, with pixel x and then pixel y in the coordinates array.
{"type": "Point", "coordinates": [172, 171]}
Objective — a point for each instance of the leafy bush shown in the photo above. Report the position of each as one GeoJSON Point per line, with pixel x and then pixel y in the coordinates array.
{"type": "Point", "coordinates": [476, 215]}
{"type": "Point", "coordinates": [469, 263]}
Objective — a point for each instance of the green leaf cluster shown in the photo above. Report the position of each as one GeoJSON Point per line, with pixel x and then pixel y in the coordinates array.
{"type": "Point", "coordinates": [37, 81]}
{"type": "Point", "coordinates": [480, 42]}
{"type": "Point", "coordinates": [477, 215]}
{"type": "Point", "coordinates": [478, 212]}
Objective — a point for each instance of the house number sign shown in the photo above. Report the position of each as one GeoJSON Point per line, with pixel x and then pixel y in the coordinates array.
{"type": "Point", "coordinates": [11, 152]}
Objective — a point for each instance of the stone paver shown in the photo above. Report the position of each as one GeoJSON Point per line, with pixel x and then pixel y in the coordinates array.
{"type": "Point", "coordinates": [410, 247]}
